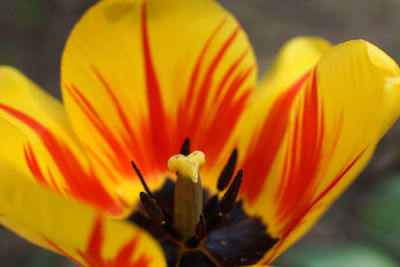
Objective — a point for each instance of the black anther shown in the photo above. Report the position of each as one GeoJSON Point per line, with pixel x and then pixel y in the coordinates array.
{"type": "Point", "coordinates": [227, 172]}
{"type": "Point", "coordinates": [211, 207]}
{"type": "Point", "coordinates": [229, 198]}
{"type": "Point", "coordinates": [185, 149]}
{"type": "Point", "coordinates": [153, 210]}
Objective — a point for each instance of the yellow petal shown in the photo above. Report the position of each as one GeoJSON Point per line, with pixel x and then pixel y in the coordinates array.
{"type": "Point", "coordinates": [263, 127]}
{"type": "Point", "coordinates": [295, 58]}
{"type": "Point", "coordinates": [40, 142]}
{"type": "Point", "coordinates": [72, 229]}
{"type": "Point", "coordinates": [327, 127]}
{"type": "Point", "coordinates": [138, 77]}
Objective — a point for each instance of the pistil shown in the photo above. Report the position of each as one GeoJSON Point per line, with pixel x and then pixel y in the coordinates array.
{"type": "Point", "coordinates": [188, 197]}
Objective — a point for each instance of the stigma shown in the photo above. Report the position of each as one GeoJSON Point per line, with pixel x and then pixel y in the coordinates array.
{"type": "Point", "coordinates": [187, 166]}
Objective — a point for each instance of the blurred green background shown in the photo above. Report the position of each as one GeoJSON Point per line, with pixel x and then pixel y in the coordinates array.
{"type": "Point", "coordinates": [362, 229]}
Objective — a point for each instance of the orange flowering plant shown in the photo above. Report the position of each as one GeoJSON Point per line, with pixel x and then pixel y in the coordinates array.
{"type": "Point", "coordinates": [170, 88]}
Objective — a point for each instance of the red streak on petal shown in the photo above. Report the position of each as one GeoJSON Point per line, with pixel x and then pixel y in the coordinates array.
{"type": "Point", "coordinates": [229, 74]}
{"type": "Point", "coordinates": [61, 251]}
{"type": "Point", "coordinates": [314, 204]}
{"type": "Point", "coordinates": [226, 117]}
{"type": "Point", "coordinates": [94, 258]}
{"type": "Point", "coordinates": [207, 82]}
{"type": "Point", "coordinates": [93, 251]}
{"type": "Point", "coordinates": [118, 154]}
{"type": "Point", "coordinates": [193, 120]}
{"type": "Point", "coordinates": [33, 164]}
{"type": "Point", "coordinates": [262, 151]}
{"type": "Point", "coordinates": [80, 183]}
{"type": "Point", "coordinates": [151, 141]}
{"type": "Point", "coordinates": [132, 144]}
{"type": "Point", "coordinates": [117, 105]}
{"type": "Point", "coordinates": [198, 118]}
{"type": "Point", "coordinates": [157, 118]}
{"type": "Point", "coordinates": [195, 74]}
{"type": "Point", "coordinates": [298, 186]}
{"type": "Point", "coordinates": [297, 194]}
{"type": "Point", "coordinates": [209, 129]}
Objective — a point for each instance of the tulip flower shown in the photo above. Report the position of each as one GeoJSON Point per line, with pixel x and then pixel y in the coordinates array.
{"type": "Point", "coordinates": [167, 151]}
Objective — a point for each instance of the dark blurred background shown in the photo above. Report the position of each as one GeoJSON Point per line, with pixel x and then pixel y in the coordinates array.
{"type": "Point", "coordinates": [362, 229]}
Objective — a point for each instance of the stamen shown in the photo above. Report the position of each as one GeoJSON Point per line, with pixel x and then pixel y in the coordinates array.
{"type": "Point", "coordinates": [227, 172]}
{"type": "Point", "coordinates": [229, 198]}
{"type": "Point", "coordinates": [153, 210]}
{"type": "Point", "coordinates": [185, 149]}
{"type": "Point", "coordinates": [156, 215]}
{"type": "Point", "coordinates": [211, 207]}
{"type": "Point", "coordinates": [142, 180]}
{"type": "Point", "coordinates": [200, 229]}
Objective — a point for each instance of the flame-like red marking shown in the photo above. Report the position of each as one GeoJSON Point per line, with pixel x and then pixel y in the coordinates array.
{"type": "Point", "coordinates": [93, 257]}
{"type": "Point", "coordinates": [304, 155]}
{"type": "Point", "coordinates": [262, 151]}
{"type": "Point", "coordinates": [207, 81]}
{"type": "Point", "coordinates": [299, 185]}
{"type": "Point", "coordinates": [207, 134]}
{"type": "Point", "coordinates": [61, 251]}
{"type": "Point", "coordinates": [296, 221]}
{"type": "Point", "coordinates": [156, 110]}
{"type": "Point", "coordinates": [153, 140]}
{"type": "Point", "coordinates": [209, 130]}
{"type": "Point", "coordinates": [131, 138]}
{"type": "Point", "coordinates": [297, 193]}
{"type": "Point", "coordinates": [119, 153]}
{"type": "Point", "coordinates": [79, 182]}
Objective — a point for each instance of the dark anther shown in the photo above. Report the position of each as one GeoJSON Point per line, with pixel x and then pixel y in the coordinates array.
{"type": "Point", "coordinates": [200, 228]}
{"type": "Point", "coordinates": [211, 207]}
{"type": "Point", "coordinates": [227, 172]}
{"type": "Point", "coordinates": [142, 180]}
{"type": "Point", "coordinates": [229, 198]}
{"type": "Point", "coordinates": [185, 149]}
{"type": "Point", "coordinates": [153, 210]}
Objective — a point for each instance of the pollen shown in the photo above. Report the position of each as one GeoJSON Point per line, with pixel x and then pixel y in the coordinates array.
{"type": "Point", "coordinates": [187, 166]}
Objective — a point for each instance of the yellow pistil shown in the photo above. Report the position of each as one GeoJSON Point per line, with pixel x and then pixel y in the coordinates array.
{"type": "Point", "coordinates": [188, 198]}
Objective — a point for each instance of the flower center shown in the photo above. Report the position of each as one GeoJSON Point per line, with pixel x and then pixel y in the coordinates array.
{"type": "Point", "coordinates": [195, 228]}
